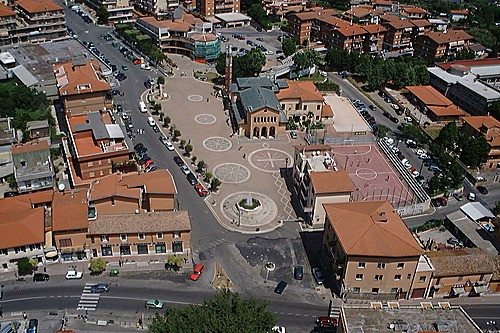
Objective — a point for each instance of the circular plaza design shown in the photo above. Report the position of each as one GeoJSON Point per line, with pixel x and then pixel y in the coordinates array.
{"type": "Point", "coordinates": [270, 159]}
{"type": "Point", "coordinates": [195, 98]}
{"type": "Point", "coordinates": [217, 143]}
{"type": "Point", "coordinates": [238, 217]}
{"type": "Point", "coordinates": [231, 173]}
{"type": "Point", "coordinates": [205, 119]}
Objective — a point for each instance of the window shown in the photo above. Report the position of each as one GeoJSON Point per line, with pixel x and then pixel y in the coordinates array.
{"type": "Point", "coordinates": [400, 266]}
{"type": "Point", "coordinates": [177, 247]}
{"type": "Point", "coordinates": [380, 265]}
{"type": "Point", "coordinates": [90, 164]}
{"type": "Point", "coordinates": [394, 290]}
{"type": "Point", "coordinates": [408, 276]}
{"type": "Point", "coordinates": [106, 251]}
{"type": "Point", "coordinates": [123, 237]}
{"type": "Point", "coordinates": [422, 278]}
{"type": "Point", "coordinates": [160, 248]}
{"type": "Point", "coordinates": [356, 290]}
{"type": "Point", "coordinates": [142, 249]}
{"type": "Point", "coordinates": [177, 234]}
{"type": "Point", "coordinates": [359, 277]}
{"type": "Point", "coordinates": [4, 251]}
{"type": "Point", "coordinates": [378, 277]}
{"type": "Point", "coordinates": [318, 107]}
{"type": "Point", "coordinates": [23, 163]}
{"type": "Point", "coordinates": [65, 242]}
{"type": "Point", "coordinates": [141, 236]}
{"type": "Point", "coordinates": [375, 290]}
{"type": "Point", "coordinates": [460, 278]}
{"type": "Point", "coordinates": [361, 264]}
{"type": "Point", "coordinates": [397, 277]}
{"type": "Point", "coordinates": [159, 235]}
{"type": "Point", "coordinates": [104, 238]}
{"type": "Point", "coordinates": [113, 202]}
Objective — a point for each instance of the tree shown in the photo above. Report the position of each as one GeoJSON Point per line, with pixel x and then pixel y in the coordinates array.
{"type": "Point", "coordinates": [249, 64]}
{"type": "Point", "coordinates": [161, 82]}
{"type": "Point", "coordinates": [201, 165]}
{"type": "Point", "coordinates": [102, 15]}
{"type": "Point", "coordinates": [220, 67]}
{"type": "Point", "coordinates": [448, 136]}
{"type": "Point", "coordinates": [306, 59]}
{"type": "Point", "coordinates": [381, 130]}
{"type": "Point", "coordinates": [259, 15]}
{"type": "Point", "coordinates": [182, 143]}
{"type": "Point", "coordinates": [208, 175]}
{"type": "Point", "coordinates": [193, 159]}
{"type": "Point", "coordinates": [494, 109]}
{"type": "Point", "coordinates": [224, 312]}
{"type": "Point", "coordinates": [97, 265]}
{"type": "Point", "coordinates": [474, 151]}
{"type": "Point", "coordinates": [413, 132]}
{"type": "Point", "coordinates": [188, 149]}
{"type": "Point", "coordinates": [156, 108]}
{"type": "Point", "coordinates": [215, 183]}
{"type": "Point", "coordinates": [176, 134]}
{"type": "Point", "coordinates": [289, 45]}
{"type": "Point", "coordinates": [175, 261]}
{"type": "Point", "coordinates": [24, 266]}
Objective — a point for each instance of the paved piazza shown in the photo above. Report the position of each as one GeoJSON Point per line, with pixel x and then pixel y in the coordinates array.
{"type": "Point", "coordinates": [270, 159]}
{"type": "Point", "coordinates": [205, 119]}
{"type": "Point", "coordinates": [256, 218]}
{"type": "Point", "coordinates": [195, 98]}
{"type": "Point", "coordinates": [217, 143]}
{"type": "Point", "coordinates": [232, 173]}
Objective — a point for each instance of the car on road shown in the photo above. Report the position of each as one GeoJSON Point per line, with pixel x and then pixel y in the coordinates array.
{"type": "Point", "coordinates": [147, 84]}
{"type": "Point", "coordinates": [201, 190]}
{"type": "Point", "coordinates": [119, 108]}
{"type": "Point", "coordinates": [372, 107]}
{"type": "Point", "coordinates": [39, 277]}
{"type": "Point", "coordinates": [197, 271]}
{"type": "Point", "coordinates": [386, 114]}
{"type": "Point", "coordinates": [73, 275]}
{"type": "Point", "coordinates": [483, 190]}
{"type": "Point", "coordinates": [298, 272]}
{"type": "Point", "coordinates": [388, 100]}
{"type": "Point", "coordinates": [154, 304]}
{"type": "Point", "coordinates": [318, 275]}
{"type": "Point", "coordinates": [472, 196]}
{"type": "Point", "coordinates": [293, 135]}
{"type": "Point", "coordinates": [394, 119]}
{"type": "Point", "coordinates": [178, 160]}
{"type": "Point", "coordinates": [436, 202]}
{"type": "Point", "coordinates": [115, 92]}
{"type": "Point", "coordinates": [458, 196]}
{"type": "Point", "coordinates": [455, 242]}
{"type": "Point", "coordinates": [323, 73]}
{"type": "Point", "coordinates": [32, 326]}
{"type": "Point", "coordinates": [191, 178]}
{"type": "Point", "coordinates": [138, 146]}
{"type": "Point", "coordinates": [344, 75]}
{"type": "Point", "coordinates": [145, 67]}
{"type": "Point", "coordinates": [156, 129]}
{"type": "Point", "coordinates": [125, 67]}
{"type": "Point", "coordinates": [99, 288]}
{"type": "Point", "coordinates": [268, 52]}
{"type": "Point", "coordinates": [280, 287]}
{"type": "Point", "coordinates": [185, 169]}
{"type": "Point", "coordinates": [443, 201]}
{"type": "Point", "coordinates": [326, 321]}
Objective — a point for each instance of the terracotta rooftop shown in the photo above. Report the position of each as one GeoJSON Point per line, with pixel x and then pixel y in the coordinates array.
{"type": "Point", "coordinates": [464, 261]}
{"type": "Point", "coordinates": [486, 122]}
{"type": "Point", "coordinates": [79, 79]}
{"type": "Point", "coordinates": [315, 13]}
{"type": "Point", "coordinates": [112, 186]}
{"type": "Point", "coordinates": [327, 111]}
{"type": "Point", "coordinates": [38, 6]}
{"type": "Point", "coordinates": [38, 197]}
{"type": "Point", "coordinates": [306, 91]}
{"type": "Point", "coordinates": [23, 227]}
{"type": "Point", "coordinates": [421, 23]}
{"type": "Point", "coordinates": [70, 210]}
{"type": "Point", "coordinates": [374, 28]}
{"type": "Point", "coordinates": [140, 223]}
{"type": "Point", "coordinates": [361, 11]}
{"type": "Point", "coordinates": [469, 63]}
{"type": "Point", "coordinates": [449, 36]}
{"type": "Point", "coordinates": [28, 147]}
{"type": "Point", "coordinates": [389, 17]}
{"type": "Point", "coordinates": [331, 182]}
{"type": "Point", "coordinates": [399, 24]}
{"type": "Point", "coordinates": [6, 11]}
{"type": "Point", "coordinates": [168, 24]}
{"type": "Point", "coordinates": [371, 229]}
{"type": "Point", "coordinates": [447, 111]}
{"type": "Point", "coordinates": [429, 95]}
{"type": "Point", "coordinates": [203, 37]}
{"type": "Point", "coordinates": [13, 204]}
{"type": "Point", "coordinates": [459, 12]}
{"type": "Point", "coordinates": [414, 10]}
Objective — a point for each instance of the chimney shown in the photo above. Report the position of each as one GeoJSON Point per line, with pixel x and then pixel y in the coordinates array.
{"type": "Point", "coordinates": [120, 176]}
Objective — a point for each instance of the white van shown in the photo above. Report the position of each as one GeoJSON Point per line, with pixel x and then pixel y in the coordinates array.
{"type": "Point", "coordinates": [151, 121]}
{"type": "Point", "coordinates": [142, 107]}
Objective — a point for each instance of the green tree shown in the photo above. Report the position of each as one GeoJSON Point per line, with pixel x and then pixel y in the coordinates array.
{"type": "Point", "coordinates": [176, 134]}
{"type": "Point", "coordinates": [224, 312]}
{"type": "Point", "coordinates": [484, 37]}
{"type": "Point", "coordinates": [249, 64]}
{"type": "Point", "coordinates": [448, 136]}
{"type": "Point", "coordinates": [215, 183]}
{"type": "Point", "coordinates": [306, 59]}
{"type": "Point", "coordinates": [220, 66]}
{"type": "Point", "coordinates": [102, 15]}
{"type": "Point", "coordinates": [289, 45]}
{"type": "Point", "coordinates": [193, 160]}
{"type": "Point", "coordinates": [24, 266]}
{"type": "Point", "coordinates": [259, 15]}
{"type": "Point", "coordinates": [381, 130]}
{"type": "Point", "coordinates": [175, 261]}
{"type": "Point", "coordinates": [182, 143]}
{"type": "Point", "coordinates": [339, 59]}
{"type": "Point", "coordinates": [474, 151]}
{"type": "Point", "coordinates": [208, 176]}
{"type": "Point", "coordinates": [188, 149]}
{"type": "Point", "coordinates": [494, 109]}
{"type": "Point", "coordinates": [414, 132]}
{"type": "Point", "coordinates": [160, 80]}
{"type": "Point", "coordinates": [97, 265]}
{"type": "Point", "coordinates": [201, 165]}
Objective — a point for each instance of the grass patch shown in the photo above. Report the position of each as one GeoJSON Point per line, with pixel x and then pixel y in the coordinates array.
{"type": "Point", "coordinates": [433, 132]}
{"type": "Point", "coordinates": [313, 77]}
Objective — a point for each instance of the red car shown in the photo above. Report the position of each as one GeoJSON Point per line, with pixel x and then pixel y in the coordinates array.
{"type": "Point", "coordinates": [147, 163]}
{"type": "Point", "coordinates": [198, 270]}
{"type": "Point", "coordinates": [201, 190]}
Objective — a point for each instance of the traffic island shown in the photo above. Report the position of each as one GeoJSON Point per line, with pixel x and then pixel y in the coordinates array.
{"type": "Point", "coordinates": [221, 279]}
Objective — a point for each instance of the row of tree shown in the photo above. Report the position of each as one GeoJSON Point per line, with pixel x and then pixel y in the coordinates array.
{"type": "Point", "coordinates": [247, 65]}
{"type": "Point", "coordinates": [143, 42]}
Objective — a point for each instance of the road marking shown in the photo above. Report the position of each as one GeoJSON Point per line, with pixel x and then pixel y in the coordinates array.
{"type": "Point", "coordinates": [142, 299]}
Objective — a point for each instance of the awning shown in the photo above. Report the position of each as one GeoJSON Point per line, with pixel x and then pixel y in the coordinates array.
{"type": "Point", "coordinates": [458, 290]}
{"type": "Point", "coordinates": [48, 240]}
{"type": "Point", "coordinates": [51, 254]}
{"type": "Point", "coordinates": [480, 289]}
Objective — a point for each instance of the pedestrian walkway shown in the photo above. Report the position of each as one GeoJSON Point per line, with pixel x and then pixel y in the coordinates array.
{"type": "Point", "coordinates": [335, 312]}
{"type": "Point", "coordinates": [88, 300]}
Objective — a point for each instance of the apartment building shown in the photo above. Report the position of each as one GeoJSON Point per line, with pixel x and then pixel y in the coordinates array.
{"type": "Point", "coordinates": [209, 8]}
{"type": "Point", "coordinates": [399, 35]}
{"type": "Point", "coordinates": [413, 12]}
{"type": "Point", "coordinates": [385, 5]}
{"type": "Point", "coordinates": [362, 15]}
{"type": "Point", "coordinates": [372, 252]}
{"type": "Point", "coordinates": [7, 24]}
{"type": "Point", "coordinates": [120, 11]}
{"type": "Point", "coordinates": [157, 8]}
{"type": "Point", "coordinates": [283, 7]}
{"type": "Point", "coordinates": [374, 40]}
{"type": "Point", "coordinates": [82, 87]}
{"type": "Point", "coordinates": [301, 24]}
{"type": "Point", "coordinates": [33, 169]}
{"type": "Point", "coordinates": [38, 129]}
{"type": "Point", "coordinates": [489, 128]}
{"type": "Point", "coordinates": [442, 44]}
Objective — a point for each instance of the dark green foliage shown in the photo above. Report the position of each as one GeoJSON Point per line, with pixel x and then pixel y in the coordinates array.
{"type": "Point", "coordinates": [327, 86]}
{"type": "Point", "coordinates": [102, 15]}
{"type": "Point", "coordinates": [289, 46]}
{"type": "Point", "coordinates": [24, 266]}
{"type": "Point", "coordinates": [250, 64]}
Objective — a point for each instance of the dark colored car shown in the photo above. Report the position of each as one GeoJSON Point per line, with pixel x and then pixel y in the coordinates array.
{"type": "Point", "coordinates": [298, 272]}
{"type": "Point", "coordinates": [147, 84]}
{"type": "Point", "coordinates": [115, 92]}
{"type": "Point", "coordinates": [443, 201]}
{"type": "Point", "coordinates": [394, 119]}
{"type": "Point", "coordinates": [280, 287]}
{"type": "Point", "coordinates": [138, 146]}
{"type": "Point", "coordinates": [156, 128]}
{"type": "Point", "coordinates": [436, 202]}
{"type": "Point", "coordinates": [178, 160]}
{"type": "Point", "coordinates": [482, 189]}
{"type": "Point", "coordinates": [144, 159]}
{"type": "Point", "coordinates": [10, 194]}
{"type": "Point", "coordinates": [192, 179]}
{"type": "Point", "coordinates": [372, 107]}
{"type": "Point", "coordinates": [39, 277]}
{"type": "Point", "coordinates": [32, 326]}
{"type": "Point", "coordinates": [100, 288]}
{"type": "Point", "coordinates": [388, 100]}
{"type": "Point", "coordinates": [119, 108]}
{"type": "Point", "coordinates": [386, 114]}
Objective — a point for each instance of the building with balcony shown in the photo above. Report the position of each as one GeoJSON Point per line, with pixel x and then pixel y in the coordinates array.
{"type": "Point", "coordinates": [7, 24]}
{"type": "Point", "coordinates": [82, 87]}
{"type": "Point", "coordinates": [442, 44]}
{"type": "Point", "coordinates": [157, 8]}
{"type": "Point", "coordinates": [362, 15]}
{"type": "Point", "coordinates": [209, 8]}
{"type": "Point", "coordinates": [372, 252]}
{"type": "Point", "coordinates": [120, 11]}
{"type": "Point", "coordinates": [33, 168]}
{"type": "Point", "coordinates": [38, 129]}
{"type": "Point", "coordinates": [489, 128]}
{"type": "Point", "coordinates": [399, 35]}
{"type": "Point", "coordinates": [301, 24]}
{"type": "Point", "coordinates": [413, 12]}
{"type": "Point", "coordinates": [374, 40]}
{"type": "Point", "coordinates": [385, 5]}
{"type": "Point", "coordinates": [37, 21]}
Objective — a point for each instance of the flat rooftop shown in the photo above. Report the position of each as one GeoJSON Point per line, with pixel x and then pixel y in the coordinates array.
{"type": "Point", "coordinates": [346, 117]}
{"type": "Point", "coordinates": [368, 320]}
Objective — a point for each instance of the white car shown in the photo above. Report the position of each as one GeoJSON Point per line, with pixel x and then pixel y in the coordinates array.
{"type": "Point", "coordinates": [73, 275]}
{"type": "Point", "coordinates": [268, 52]}
{"type": "Point", "coordinates": [278, 329]}
{"type": "Point", "coordinates": [415, 174]}
{"type": "Point", "coordinates": [145, 67]}
{"type": "Point", "coordinates": [406, 163]}
{"type": "Point", "coordinates": [323, 73]}
{"type": "Point", "coordinates": [169, 145]}
{"type": "Point", "coordinates": [395, 106]}
{"type": "Point", "coordinates": [185, 170]}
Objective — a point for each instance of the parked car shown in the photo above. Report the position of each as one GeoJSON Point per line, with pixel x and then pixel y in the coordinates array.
{"type": "Point", "coordinates": [32, 326]}
{"type": "Point", "coordinates": [318, 275]}
{"type": "Point", "coordinates": [326, 321]}
{"type": "Point", "coordinates": [192, 179]}
{"type": "Point", "coordinates": [387, 99]}
{"type": "Point", "coordinates": [39, 277]}
{"type": "Point", "coordinates": [201, 190]}
{"type": "Point", "coordinates": [443, 201]}
{"type": "Point", "coordinates": [73, 275]}
{"type": "Point", "coordinates": [125, 67]}
{"type": "Point", "coordinates": [472, 196]}
{"type": "Point", "coordinates": [293, 135]}
{"type": "Point", "coordinates": [185, 169]}
{"type": "Point", "coordinates": [298, 272]}
{"type": "Point", "coordinates": [154, 304]}
{"type": "Point", "coordinates": [178, 160]}
{"type": "Point", "coordinates": [483, 190]}
{"type": "Point", "coordinates": [99, 288]}
{"type": "Point", "coordinates": [436, 202]}
{"type": "Point", "coordinates": [145, 66]}
{"type": "Point", "coordinates": [119, 108]}
{"type": "Point", "coordinates": [372, 107]}
{"type": "Point", "coordinates": [115, 92]}
{"type": "Point", "coordinates": [9, 194]}
{"type": "Point", "coordinates": [280, 287]}
{"type": "Point", "coordinates": [198, 270]}
{"type": "Point", "coordinates": [458, 196]}
{"type": "Point", "coordinates": [455, 242]}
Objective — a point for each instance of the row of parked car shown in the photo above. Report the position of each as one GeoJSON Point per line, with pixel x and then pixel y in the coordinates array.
{"type": "Point", "coordinates": [192, 179]}
{"type": "Point", "coordinates": [390, 142]}
{"type": "Point", "coordinates": [143, 158]}
{"type": "Point", "coordinates": [363, 111]}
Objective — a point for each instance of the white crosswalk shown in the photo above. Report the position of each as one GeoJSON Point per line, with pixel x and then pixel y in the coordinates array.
{"type": "Point", "coordinates": [335, 312]}
{"type": "Point", "coordinates": [88, 300]}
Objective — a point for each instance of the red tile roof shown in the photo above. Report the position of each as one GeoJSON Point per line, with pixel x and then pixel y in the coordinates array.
{"type": "Point", "coordinates": [315, 13]}
{"type": "Point", "coordinates": [303, 90]}
{"type": "Point", "coordinates": [400, 24]}
{"type": "Point", "coordinates": [28, 147]}
{"type": "Point", "coordinates": [447, 111]}
{"type": "Point", "coordinates": [449, 36]}
{"type": "Point", "coordinates": [70, 210]}
{"type": "Point", "coordinates": [6, 11]}
{"type": "Point", "coordinates": [331, 182]}
{"type": "Point", "coordinates": [459, 12]}
{"type": "Point", "coordinates": [469, 63]}
{"type": "Point", "coordinates": [374, 28]}
{"type": "Point", "coordinates": [170, 25]}
{"type": "Point", "coordinates": [488, 122]}
{"type": "Point", "coordinates": [21, 228]}
{"type": "Point", "coordinates": [327, 111]}
{"type": "Point", "coordinates": [76, 80]}
{"type": "Point", "coordinates": [415, 10]}
{"type": "Point", "coordinates": [421, 23]}
{"type": "Point", "coordinates": [38, 6]}
{"type": "Point", "coordinates": [429, 95]}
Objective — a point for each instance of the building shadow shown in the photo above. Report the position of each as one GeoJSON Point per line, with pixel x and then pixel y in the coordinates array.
{"type": "Point", "coordinates": [287, 176]}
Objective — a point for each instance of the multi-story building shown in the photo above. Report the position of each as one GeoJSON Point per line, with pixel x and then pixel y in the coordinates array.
{"type": "Point", "coordinates": [120, 11]}
{"type": "Point", "coordinates": [96, 147]}
{"type": "Point", "coordinates": [140, 234]}
{"type": "Point", "coordinates": [82, 87]}
{"type": "Point", "coordinates": [399, 35]}
{"type": "Point", "coordinates": [38, 129]}
{"type": "Point", "coordinates": [362, 15]}
{"type": "Point", "coordinates": [157, 8]}
{"type": "Point", "coordinates": [209, 8]}
{"type": "Point", "coordinates": [489, 128]}
{"type": "Point", "coordinates": [413, 12]}
{"type": "Point", "coordinates": [374, 40]}
{"type": "Point", "coordinates": [33, 168]}
{"type": "Point", "coordinates": [38, 21]}
{"type": "Point", "coordinates": [471, 84]}
{"type": "Point", "coordinates": [442, 44]}
{"type": "Point", "coordinates": [372, 252]}
{"type": "Point", "coordinates": [301, 24]}
{"type": "Point", "coordinates": [282, 7]}
{"type": "Point", "coordinates": [385, 5]}
{"type": "Point", "coordinates": [7, 24]}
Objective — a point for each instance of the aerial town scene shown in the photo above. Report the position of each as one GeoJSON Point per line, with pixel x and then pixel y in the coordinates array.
{"type": "Point", "coordinates": [260, 166]}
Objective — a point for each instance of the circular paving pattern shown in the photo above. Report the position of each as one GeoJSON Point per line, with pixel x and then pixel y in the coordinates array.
{"type": "Point", "coordinates": [266, 214]}
{"type": "Point", "coordinates": [195, 98]}
{"type": "Point", "coordinates": [231, 173]}
{"type": "Point", "coordinates": [217, 143]}
{"type": "Point", "coordinates": [366, 174]}
{"type": "Point", "coordinates": [270, 160]}
{"type": "Point", "coordinates": [205, 119]}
